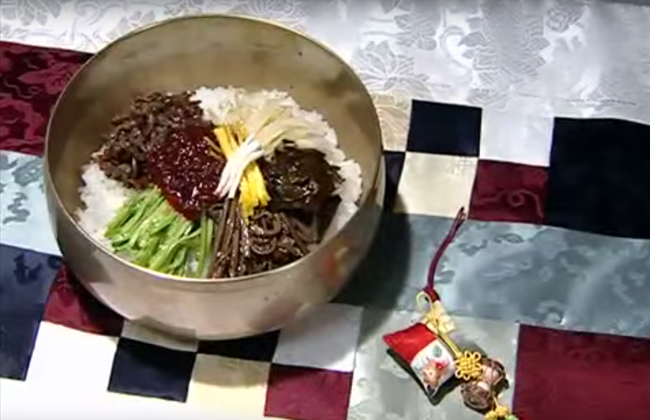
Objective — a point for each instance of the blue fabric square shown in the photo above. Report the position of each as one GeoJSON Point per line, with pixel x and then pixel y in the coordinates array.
{"type": "Point", "coordinates": [25, 280]}
{"type": "Point", "coordinates": [151, 371]}
{"type": "Point", "coordinates": [444, 129]}
{"type": "Point", "coordinates": [394, 162]}
{"type": "Point", "coordinates": [260, 348]}
{"type": "Point", "coordinates": [599, 177]}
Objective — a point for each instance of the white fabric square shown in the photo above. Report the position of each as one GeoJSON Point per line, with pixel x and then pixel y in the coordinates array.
{"type": "Point", "coordinates": [229, 385]}
{"type": "Point", "coordinates": [24, 400]}
{"type": "Point", "coordinates": [75, 360]}
{"type": "Point", "coordinates": [435, 185]}
{"type": "Point", "coordinates": [325, 339]}
{"type": "Point", "coordinates": [517, 138]}
{"type": "Point", "coordinates": [28, 226]}
{"type": "Point", "coordinates": [147, 335]}
{"type": "Point", "coordinates": [394, 116]}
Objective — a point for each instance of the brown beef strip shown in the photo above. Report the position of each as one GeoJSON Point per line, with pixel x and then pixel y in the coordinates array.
{"type": "Point", "coordinates": [149, 120]}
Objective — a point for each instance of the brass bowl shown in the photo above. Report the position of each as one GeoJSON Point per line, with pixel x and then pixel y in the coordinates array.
{"type": "Point", "coordinates": [184, 54]}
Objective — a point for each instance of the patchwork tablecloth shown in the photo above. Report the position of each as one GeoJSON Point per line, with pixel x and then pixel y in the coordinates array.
{"type": "Point", "coordinates": [551, 274]}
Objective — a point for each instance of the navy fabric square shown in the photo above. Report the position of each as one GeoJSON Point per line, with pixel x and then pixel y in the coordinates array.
{"type": "Point", "coordinates": [151, 371]}
{"type": "Point", "coordinates": [260, 348]}
{"type": "Point", "coordinates": [394, 162]}
{"type": "Point", "coordinates": [25, 280]}
{"type": "Point", "coordinates": [444, 129]}
{"type": "Point", "coordinates": [599, 177]}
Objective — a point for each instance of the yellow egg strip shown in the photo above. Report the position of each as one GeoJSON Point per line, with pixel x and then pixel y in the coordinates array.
{"type": "Point", "coordinates": [247, 197]}
{"type": "Point", "coordinates": [252, 189]}
{"type": "Point", "coordinates": [253, 172]}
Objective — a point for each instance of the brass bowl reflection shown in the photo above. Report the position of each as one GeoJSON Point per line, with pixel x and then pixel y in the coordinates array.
{"type": "Point", "coordinates": [184, 54]}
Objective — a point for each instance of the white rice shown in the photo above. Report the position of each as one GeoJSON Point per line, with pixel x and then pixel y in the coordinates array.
{"type": "Point", "coordinates": [102, 196]}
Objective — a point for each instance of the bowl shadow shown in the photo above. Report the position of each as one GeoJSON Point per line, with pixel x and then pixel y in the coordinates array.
{"type": "Point", "coordinates": [380, 280]}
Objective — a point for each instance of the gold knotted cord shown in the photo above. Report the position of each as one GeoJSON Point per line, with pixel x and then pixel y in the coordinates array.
{"type": "Point", "coordinates": [434, 316]}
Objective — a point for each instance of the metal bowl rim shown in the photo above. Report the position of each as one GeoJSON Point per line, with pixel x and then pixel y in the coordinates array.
{"type": "Point", "coordinates": [105, 50]}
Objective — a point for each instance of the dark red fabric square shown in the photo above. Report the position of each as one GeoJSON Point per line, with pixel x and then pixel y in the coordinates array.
{"type": "Point", "coordinates": [570, 375]}
{"type": "Point", "coordinates": [302, 393]}
{"type": "Point", "coordinates": [70, 305]}
{"type": "Point", "coordinates": [31, 79]}
{"type": "Point", "coordinates": [508, 192]}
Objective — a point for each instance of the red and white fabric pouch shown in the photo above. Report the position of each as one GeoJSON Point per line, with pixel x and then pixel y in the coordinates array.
{"type": "Point", "coordinates": [419, 351]}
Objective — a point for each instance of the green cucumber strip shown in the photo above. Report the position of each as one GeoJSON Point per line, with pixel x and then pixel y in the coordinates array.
{"type": "Point", "coordinates": [154, 235]}
{"type": "Point", "coordinates": [147, 252]}
{"type": "Point", "coordinates": [179, 260]}
{"type": "Point", "coordinates": [120, 246]}
{"type": "Point", "coordinates": [123, 214]}
{"type": "Point", "coordinates": [205, 245]}
{"type": "Point", "coordinates": [147, 221]}
{"type": "Point", "coordinates": [166, 253]}
{"type": "Point", "coordinates": [165, 219]}
{"type": "Point", "coordinates": [172, 232]}
{"type": "Point", "coordinates": [166, 258]}
{"type": "Point", "coordinates": [212, 226]}
{"type": "Point", "coordinates": [140, 212]}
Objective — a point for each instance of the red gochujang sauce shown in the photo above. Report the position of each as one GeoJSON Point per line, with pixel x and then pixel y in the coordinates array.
{"type": "Point", "coordinates": [185, 171]}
